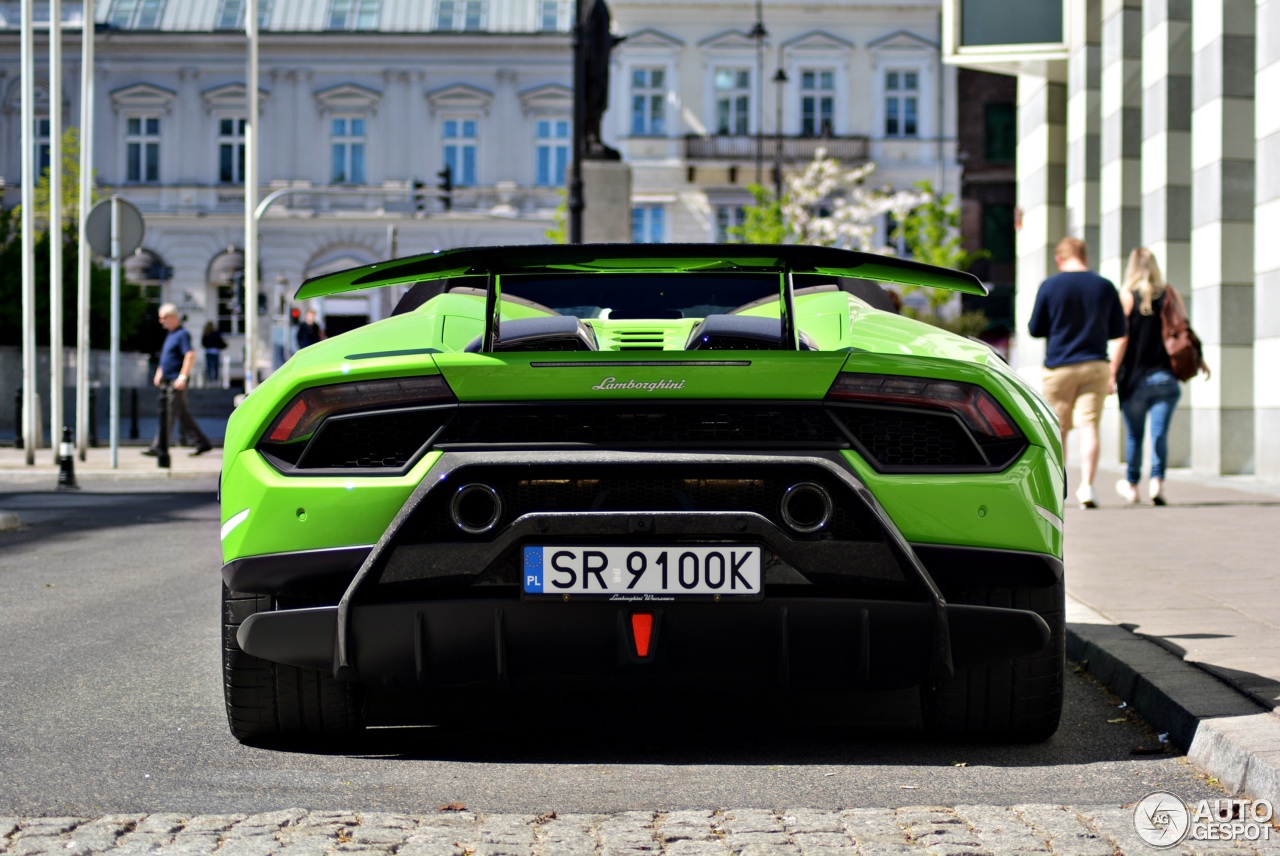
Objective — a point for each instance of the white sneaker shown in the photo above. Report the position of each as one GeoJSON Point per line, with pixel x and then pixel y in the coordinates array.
{"type": "Point", "coordinates": [1156, 490]}
{"type": "Point", "coordinates": [1087, 496]}
{"type": "Point", "coordinates": [1128, 492]}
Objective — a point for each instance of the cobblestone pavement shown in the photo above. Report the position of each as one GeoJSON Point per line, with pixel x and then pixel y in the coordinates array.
{"type": "Point", "coordinates": [960, 831]}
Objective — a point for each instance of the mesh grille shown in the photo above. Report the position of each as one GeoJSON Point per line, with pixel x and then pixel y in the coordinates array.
{"type": "Point", "coordinates": [376, 441]}
{"type": "Point", "coordinates": [632, 488]}
{"type": "Point", "coordinates": [706, 423]}
{"type": "Point", "coordinates": [907, 438]}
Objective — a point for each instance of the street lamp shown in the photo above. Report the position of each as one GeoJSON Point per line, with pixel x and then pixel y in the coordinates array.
{"type": "Point", "coordinates": [780, 78]}
{"type": "Point", "coordinates": [759, 33]}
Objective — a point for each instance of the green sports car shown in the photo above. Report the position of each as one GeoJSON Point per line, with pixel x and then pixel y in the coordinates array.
{"type": "Point", "coordinates": [629, 467]}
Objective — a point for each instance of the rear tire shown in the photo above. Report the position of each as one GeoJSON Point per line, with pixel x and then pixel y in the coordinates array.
{"type": "Point", "coordinates": [1017, 700]}
{"type": "Point", "coordinates": [269, 703]}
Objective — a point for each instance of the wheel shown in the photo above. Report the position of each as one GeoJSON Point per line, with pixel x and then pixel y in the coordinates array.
{"type": "Point", "coordinates": [271, 703]}
{"type": "Point", "coordinates": [1019, 699]}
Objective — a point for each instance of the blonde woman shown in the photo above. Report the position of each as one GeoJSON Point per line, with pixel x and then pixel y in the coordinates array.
{"type": "Point", "coordinates": [1141, 376]}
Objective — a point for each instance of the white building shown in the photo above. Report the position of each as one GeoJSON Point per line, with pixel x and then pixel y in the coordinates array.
{"type": "Point", "coordinates": [1154, 124]}
{"type": "Point", "coordinates": [365, 101]}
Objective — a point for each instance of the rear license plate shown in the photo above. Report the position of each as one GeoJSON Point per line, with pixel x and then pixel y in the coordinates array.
{"type": "Point", "coordinates": [622, 572]}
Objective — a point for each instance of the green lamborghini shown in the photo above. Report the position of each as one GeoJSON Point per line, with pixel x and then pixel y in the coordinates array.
{"type": "Point", "coordinates": [635, 468]}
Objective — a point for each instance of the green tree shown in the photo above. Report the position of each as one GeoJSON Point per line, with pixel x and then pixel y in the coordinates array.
{"type": "Point", "coordinates": [931, 229]}
{"type": "Point", "coordinates": [559, 231]}
{"type": "Point", "coordinates": [763, 222]}
{"type": "Point", "coordinates": [134, 310]}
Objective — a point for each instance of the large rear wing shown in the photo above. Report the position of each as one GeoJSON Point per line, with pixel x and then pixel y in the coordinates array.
{"type": "Point", "coordinates": [785, 260]}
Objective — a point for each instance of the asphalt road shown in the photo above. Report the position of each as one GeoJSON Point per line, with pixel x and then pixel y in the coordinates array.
{"type": "Point", "coordinates": [110, 701]}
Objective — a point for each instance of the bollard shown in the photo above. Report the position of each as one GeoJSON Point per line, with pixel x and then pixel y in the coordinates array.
{"type": "Point", "coordinates": [162, 433]}
{"type": "Point", "coordinates": [66, 462]}
{"type": "Point", "coordinates": [133, 413]}
{"type": "Point", "coordinates": [17, 419]}
{"type": "Point", "coordinates": [93, 419]}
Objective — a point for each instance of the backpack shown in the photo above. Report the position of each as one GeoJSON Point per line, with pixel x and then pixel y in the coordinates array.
{"type": "Point", "coordinates": [1186, 357]}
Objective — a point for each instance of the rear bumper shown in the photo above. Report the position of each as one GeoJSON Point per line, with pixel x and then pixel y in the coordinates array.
{"type": "Point", "coordinates": [518, 644]}
{"type": "Point", "coordinates": [489, 635]}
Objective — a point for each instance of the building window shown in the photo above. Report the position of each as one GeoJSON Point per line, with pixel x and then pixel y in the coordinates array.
{"type": "Point", "coordinates": [729, 217]}
{"type": "Point", "coordinates": [550, 19]}
{"type": "Point", "coordinates": [43, 146]}
{"type": "Point", "coordinates": [231, 150]}
{"type": "Point", "coordinates": [460, 150]}
{"type": "Point", "coordinates": [998, 233]}
{"type": "Point", "coordinates": [648, 224]}
{"type": "Point", "coordinates": [231, 14]}
{"type": "Point", "coordinates": [901, 103]}
{"type": "Point", "coordinates": [136, 14]}
{"type": "Point", "coordinates": [460, 14]}
{"type": "Point", "coordinates": [733, 101]}
{"type": "Point", "coordinates": [552, 152]}
{"type": "Point", "coordinates": [648, 102]}
{"type": "Point", "coordinates": [354, 14]}
{"type": "Point", "coordinates": [817, 102]}
{"type": "Point", "coordinates": [347, 141]}
{"type": "Point", "coordinates": [1001, 132]}
{"type": "Point", "coordinates": [142, 149]}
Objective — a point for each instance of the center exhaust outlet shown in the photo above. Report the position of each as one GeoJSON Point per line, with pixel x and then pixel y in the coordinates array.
{"type": "Point", "coordinates": [807, 507]}
{"type": "Point", "coordinates": [475, 509]}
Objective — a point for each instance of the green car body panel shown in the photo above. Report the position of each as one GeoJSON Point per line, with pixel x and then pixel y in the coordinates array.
{"type": "Point", "coordinates": [836, 347]}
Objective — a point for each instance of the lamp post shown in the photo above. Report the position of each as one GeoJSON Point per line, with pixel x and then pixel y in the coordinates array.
{"type": "Point", "coordinates": [759, 33]}
{"type": "Point", "coordinates": [780, 78]}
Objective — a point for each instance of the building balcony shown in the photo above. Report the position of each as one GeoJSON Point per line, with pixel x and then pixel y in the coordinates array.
{"type": "Point", "coordinates": [725, 147]}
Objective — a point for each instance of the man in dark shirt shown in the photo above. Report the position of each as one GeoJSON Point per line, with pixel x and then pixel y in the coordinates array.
{"type": "Point", "coordinates": [1078, 312]}
{"type": "Point", "coordinates": [177, 359]}
{"type": "Point", "coordinates": [309, 332]}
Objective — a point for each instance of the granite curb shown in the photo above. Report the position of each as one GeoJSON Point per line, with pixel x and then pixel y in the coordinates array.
{"type": "Point", "coordinates": [1224, 732]}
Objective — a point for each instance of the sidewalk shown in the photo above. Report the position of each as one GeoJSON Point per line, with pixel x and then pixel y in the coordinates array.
{"type": "Point", "coordinates": [1175, 609]}
{"type": "Point", "coordinates": [1195, 582]}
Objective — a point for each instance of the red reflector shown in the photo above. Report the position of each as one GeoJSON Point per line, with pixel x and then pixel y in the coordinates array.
{"type": "Point", "coordinates": [642, 630]}
{"type": "Point", "coordinates": [284, 428]}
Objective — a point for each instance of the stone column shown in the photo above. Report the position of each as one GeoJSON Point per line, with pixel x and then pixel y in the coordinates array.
{"type": "Point", "coordinates": [1266, 350]}
{"type": "Point", "coordinates": [1042, 210]}
{"type": "Point", "coordinates": [1120, 200]}
{"type": "Point", "coordinates": [1222, 208]}
{"type": "Point", "coordinates": [1166, 163]}
{"type": "Point", "coordinates": [1084, 83]}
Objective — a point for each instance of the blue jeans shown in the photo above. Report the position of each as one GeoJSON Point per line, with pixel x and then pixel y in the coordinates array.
{"type": "Point", "coordinates": [1157, 394]}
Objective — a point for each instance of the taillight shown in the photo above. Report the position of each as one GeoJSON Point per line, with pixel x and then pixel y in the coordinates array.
{"type": "Point", "coordinates": [928, 445]}
{"type": "Point", "coordinates": [304, 413]}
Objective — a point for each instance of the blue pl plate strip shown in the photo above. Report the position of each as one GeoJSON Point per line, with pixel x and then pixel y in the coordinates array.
{"type": "Point", "coordinates": [533, 570]}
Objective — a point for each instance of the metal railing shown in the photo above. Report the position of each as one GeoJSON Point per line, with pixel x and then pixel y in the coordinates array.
{"type": "Point", "coordinates": [729, 147]}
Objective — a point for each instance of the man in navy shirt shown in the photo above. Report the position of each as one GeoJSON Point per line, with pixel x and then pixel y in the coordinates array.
{"type": "Point", "coordinates": [177, 359]}
{"type": "Point", "coordinates": [1079, 313]}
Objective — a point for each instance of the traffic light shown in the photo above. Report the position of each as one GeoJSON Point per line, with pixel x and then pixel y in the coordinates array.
{"type": "Point", "coordinates": [419, 198]}
{"type": "Point", "coordinates": [446, 186]}
{"type": "Point", "coordinates": [295, 316]}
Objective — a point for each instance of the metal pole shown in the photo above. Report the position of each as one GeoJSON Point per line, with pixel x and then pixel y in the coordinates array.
{"type": "Point", "coordinates": [85, 429]}
{"type": "Point", "coordinates": [758, 32]}
{"type": "Point", "coordinates": [250, 204]}
{"type": "Point", "coordinates": [56, 421]}
{"type": "Point", "coordinates": [779, 78]}
{"type": "Point", "coordinates": [576, 204]}
{"type": "Point", "coordinates": [30, 427]}
{"type": "Point", "coordinates": [113, 402]}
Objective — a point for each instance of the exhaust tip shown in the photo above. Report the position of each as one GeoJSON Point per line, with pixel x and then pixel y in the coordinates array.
{"type": "Point", "coordinates": [475, 509]}
{"type": "Point", "coordinates": [807, 507]}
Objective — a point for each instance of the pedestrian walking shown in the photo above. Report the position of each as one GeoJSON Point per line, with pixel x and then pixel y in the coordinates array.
{"type": "Point", "coordinates": [309, 332]}
{"type": "Point", "coordinates": [213, 343]}
{"type": "Point", "coordinates": [177, 358]}
{"type": "Point", "coordinates": [1142, 377]}
{"type": "Point", "coordinates": [1078, 312]}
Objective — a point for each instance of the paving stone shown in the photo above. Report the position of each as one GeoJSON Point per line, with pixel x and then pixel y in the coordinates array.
{"type": "Point", "coordinates": [1065, 831]}
{"type": "Point", "coordinates": [431, 841]}
{"type": "Point", "coordinates": [1002, 830]}
{"type": "Point", "coordinates": [876, 830]}
{"type": "Point", "coordinates": [813, 842]}
{"type": "Point", "coordinates": [811, 820]}
{"type": "Point", "coordinates": [751, 820]}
